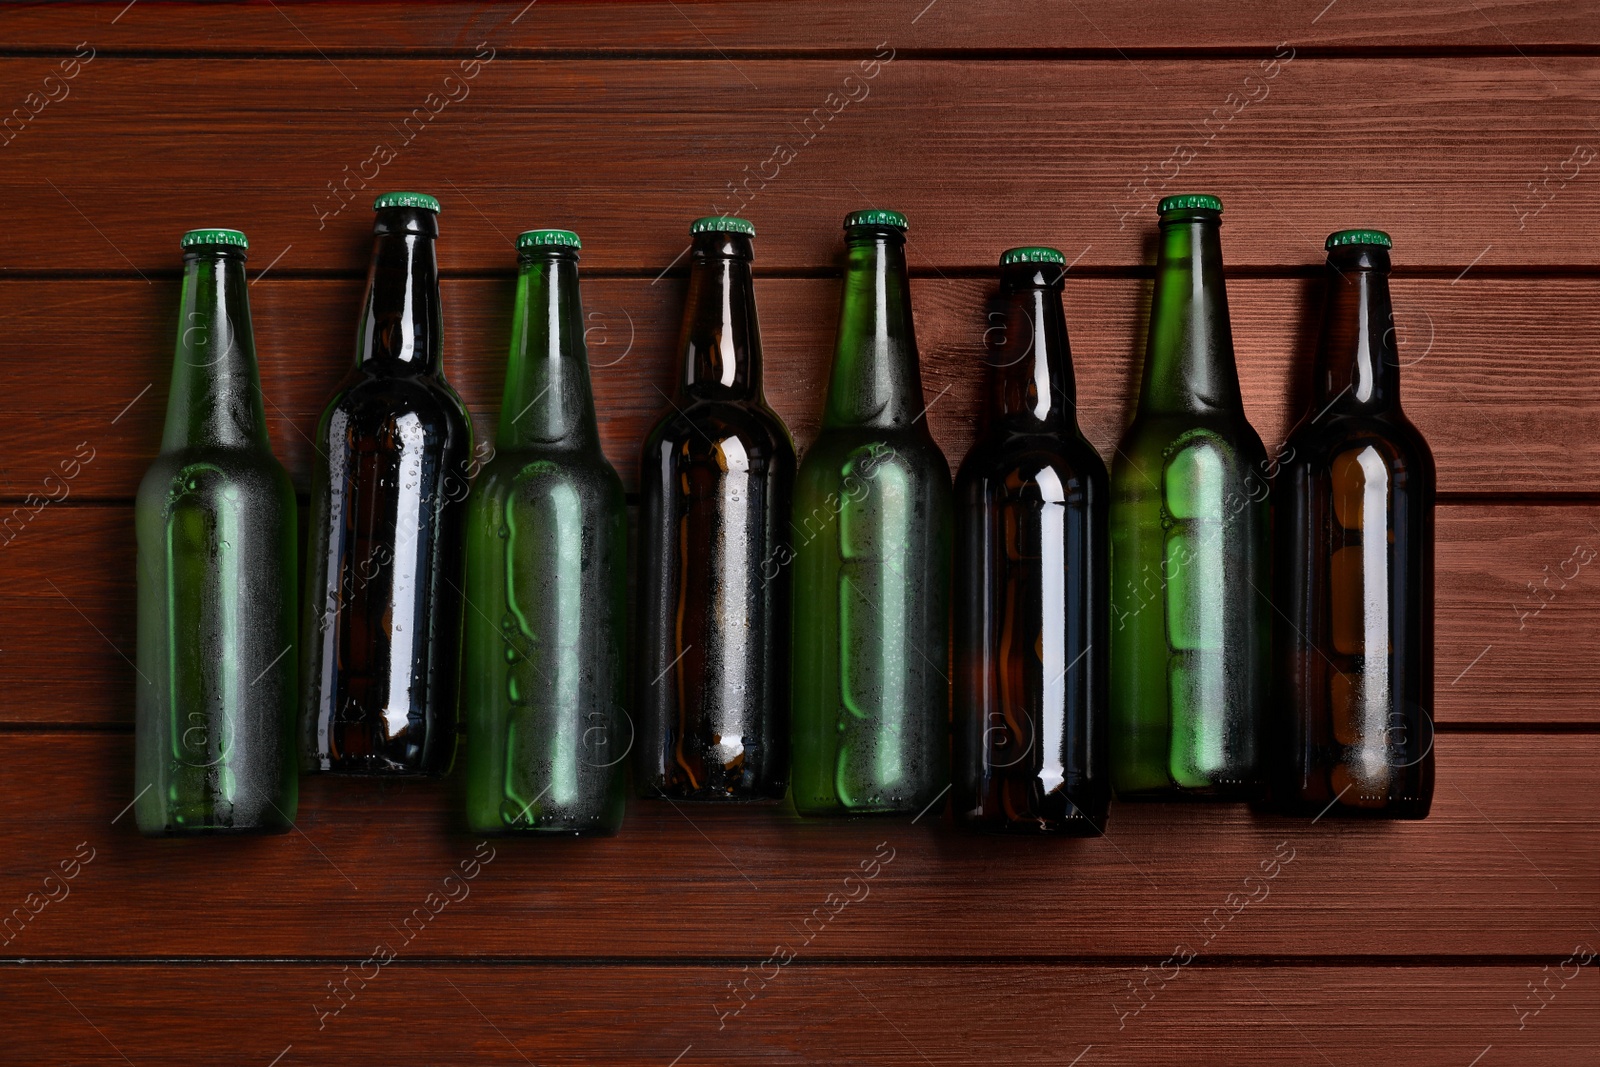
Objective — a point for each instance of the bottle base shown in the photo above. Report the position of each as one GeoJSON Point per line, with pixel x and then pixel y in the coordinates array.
{"type": "Point", "coordinates": [714, 796]}
{"type": "Point", "coordinates": [1240, 794]}
{"type": "Point", "coordinates": [266, 830]}
{"type": "Point", "coordinates": [1044, 826]}
{"type": "Point", "coordinates": [370, 769]}
{"type": "Point", "coordinates": [853, 813]}
{"type": "Point", "coordinates": [1409, 809]}
{"type": "Point", "coordinates": [509, 832]}
{"type": "Point", "coordinates": [891, 811]}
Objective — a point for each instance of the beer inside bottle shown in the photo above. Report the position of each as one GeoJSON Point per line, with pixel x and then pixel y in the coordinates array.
{"type": "Point", "coordinates": [715, 485]}
{"type": "Point", "coordinates": [871, 535]}
{"type": "Point", "coordinates": [1189, 563]}
{"type": "Point", "coordinates": [1354, 496]}
{"type": "Point", "coordinates": [215, 518]}
{"type": "Point", "coordinates": [383, 595]}
{"type": "Point", "coordinates": [1030, 604]}
{"type": "Point", "coordinates": [543, 686]}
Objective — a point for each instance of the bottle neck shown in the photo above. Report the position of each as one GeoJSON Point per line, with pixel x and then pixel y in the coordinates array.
{"type": "Point", "coordinates": [876, 380]}
{"type": "Point", "coordinates": [215, 399]}
{"type": "Point", "coordinates": [1032, 388]}
{"type": "Point", "coordinates": [402, 327]}
{"type": "Point", "coordinates": [720, 339]}
{"type": "Point", "coordinates": [547, 400]}
{"type": "Point", "coordinates": [1189, 366]}
{"type": "Point", "coordinates": [1358, 366]}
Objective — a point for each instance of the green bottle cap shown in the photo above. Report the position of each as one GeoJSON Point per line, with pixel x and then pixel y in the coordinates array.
{"type": "Point", "coordinates": [722, 224]}
{"type": "Point", "coordinates": [214, 237]}
{"type": "Point", "coordinates": [546, 239]}
{"type": "Point", "coordinates": [1188, 200]}
{"type": "Point", "coordinates": [875, 217]}
{"type": "Point", "coordinates": [422, 200]}
{"type": "Point", "coordinates": [1031, 254]}
{"type": "Point", "coordinates": [1358, 237]}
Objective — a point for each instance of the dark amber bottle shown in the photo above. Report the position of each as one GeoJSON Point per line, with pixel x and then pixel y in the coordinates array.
{"type": "Point", "coordinates": [1354, 496]}
{"type": "Point", "coordinates": [383, 587]}
{"type": "Point", "coordinates": [1031, 649]}
{"type": "Point", "coordinates": [714, 485]}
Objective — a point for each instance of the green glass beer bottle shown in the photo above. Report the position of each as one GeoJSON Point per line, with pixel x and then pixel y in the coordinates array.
{"type": "Point", "coordinates": [1354, 520]}
{"type": "Point", "coordinates": [215, 519]}
{"type": "Point", "coordinates": [1189, 555]}
{"type": "Point", "coordinates": [543, 681]}
{"type": "Point", "coordinates": [712, 685]}
{"type": "Point", "coordinates": [872, 530]}
{"type": "Point", "coordinates": [1030, 582]}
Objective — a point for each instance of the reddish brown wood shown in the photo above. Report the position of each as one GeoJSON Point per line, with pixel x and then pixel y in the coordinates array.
{"type": "Point", "coordinates": [1499, 419]}
{"type": "Point", "coordinates": [1419, 1016]}
{"type": "Point", "coordinates": [1505, 864]}
{"type": "Point", "coordinates": [993, 125]}
{"type": "Point", "coordinates": [67, 616]}
{"type": "Point", "coordinates": [628, 151]}
{"type": "Point", "coordinates": [703, 28]}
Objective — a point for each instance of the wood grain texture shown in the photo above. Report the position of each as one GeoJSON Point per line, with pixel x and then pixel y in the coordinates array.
{"type": "Point", "coordinates": [1500, 420]}
{"type": "Point", "coordinates": [1466, 128]}
{"type": "Point", "coordinates": [459, 1013]}
{"type": "Point", "coordinates": [1503, 865]}
{"type": "Point", "coordinates": [1506, 652]}
{"type": "Point", "coordinates": [1436, 151]}
{"type": "Point", "coordinates": [695, 27]}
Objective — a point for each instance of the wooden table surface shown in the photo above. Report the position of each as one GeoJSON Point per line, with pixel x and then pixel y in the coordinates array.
{"type": "Point", "coordinates": [377, 933]}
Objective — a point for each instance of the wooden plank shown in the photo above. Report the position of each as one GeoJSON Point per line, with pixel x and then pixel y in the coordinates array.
{"type": "Point", "coordinates": [1501, 866]}
{"type": "Point", "coordinates": [67, 616]}
{"type": "Point", "coordinates": [1420, 1016]}
{"type": "Point", "coordinates": [979, 154]}
{"type": "Point", "coordinates": [89, 363]}
{"type": "Point", "coordinates": [755, 25]}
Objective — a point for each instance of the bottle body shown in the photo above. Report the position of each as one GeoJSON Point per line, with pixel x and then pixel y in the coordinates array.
{"type": "Point", "coordinates": [216, 526]}
{"type": "Point", "coordinates": [1030, 639]}
{"type": "Point", "coordinates": [1354, 501]}
{"type": "Point", "coordinates": [872, 529]}
{"type": "Point", "coordinates": [715, 487]}
{"type": "Point", "coordinates": [1189, 553]}
{"type": "Point", "coordinates": [713, 680]}
{"type": "Point", "coordinates": [543, 647]}
{"type": "Point", "coordinates": [544, 682]}
{"type": "Point", "coordinates": [383, 594]}
{"type": "Point", "coordinates": [871, 635]}
{"type": "Point", "coordinates": [1030, 616]}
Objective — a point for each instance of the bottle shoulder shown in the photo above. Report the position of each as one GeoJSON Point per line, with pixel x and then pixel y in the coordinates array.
{"type": "Point", "coordinates": [1149, 457]}
{"type": "Point", "coordinates": [1001, 455]}
{"type": "Point", "coordinates": [368, 406]}
{"type": "Point", "coordinates": [1159, 434]}
{"type": "Point", "coordinates": [543, 470]}
{"type": "Point", "coordinates": [839, 453]}
{"type": "Point", "coordinates": [1336, 431]}
{"type": "Point", "coordinates": [703, 458]}
{"type": "Point", "coordinates": [751, 421]}
{"type": "Point", "coordinates": [365, 395]}
{"type": "Point", "coordinates": [1403, 449]}
{"type": "Point", "coordinates": [250, 475]}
